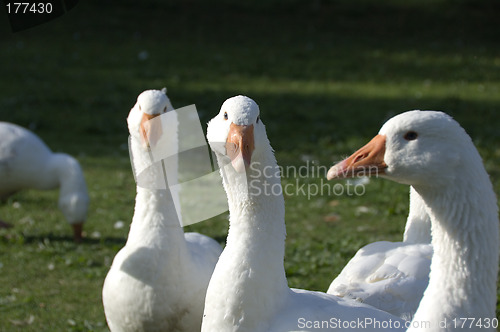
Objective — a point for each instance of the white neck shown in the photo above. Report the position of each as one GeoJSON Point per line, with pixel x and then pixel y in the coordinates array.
{"type": "Point", "coordinates": [155, 220]}
{"type": "Point", "coordinates": [73, 195]}
{"type": "Point", "coordinates": [464, 266]}
{"type": "Point", "coordinates": [418, 224]}
{"type": "Point", "coordinates": [249, 278]}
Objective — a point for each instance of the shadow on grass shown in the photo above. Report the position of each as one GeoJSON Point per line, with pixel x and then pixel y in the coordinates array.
{"type": "Point", "coordinates": [30, 239]}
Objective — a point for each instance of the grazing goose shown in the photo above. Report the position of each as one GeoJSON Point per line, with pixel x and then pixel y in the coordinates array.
{"type": "Point", "coordinates": [391, 276]}
{"type": "Point", "coordinates": [248, 290]}
{"type": "Point", "coordinates": [158, 280]}
{"type": "Point", "coordinates": [430, 151]}
{"type": "Point", "coordinates": [27, 163]}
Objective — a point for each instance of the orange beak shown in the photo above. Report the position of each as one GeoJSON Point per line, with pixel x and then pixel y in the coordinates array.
{"type": "Point", "coordinates": [150, 130]}
{"type": "Point", "coordinates": [367, 161]}
{"type": "Point", "coordinates": [240, 146]}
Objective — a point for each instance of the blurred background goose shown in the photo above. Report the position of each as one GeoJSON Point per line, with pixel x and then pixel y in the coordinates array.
{"type": "Point", "coordinates": [27, 163]}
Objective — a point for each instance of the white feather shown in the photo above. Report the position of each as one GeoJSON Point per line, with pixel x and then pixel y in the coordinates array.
{"type": "Point", "coordinates": [444, 168]}
{"type": "Point", "coordinates": [391, 276]}
{"type": "Point", "coordinates": [248, 290]}
{"type": "Point", "coordinates": [158, 280]}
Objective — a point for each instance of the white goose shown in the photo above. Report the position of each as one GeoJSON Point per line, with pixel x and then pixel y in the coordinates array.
{"type": "Point", "coordinates": [391, 276]}
{"type": "Point", "coordinates": [248, 290]}
{"type": "Point", "coordinates": [27, 163]}
{"type": "Point", "coordinates": [158, 280]}
{"type": "Point", "coordinates": [431, 152]}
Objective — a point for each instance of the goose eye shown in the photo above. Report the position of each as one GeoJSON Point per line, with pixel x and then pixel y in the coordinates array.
{"type": "Point", "coordinates": [225, 116]}
{"type": "Point", "coordinates": [165, 109]}
{"type": "Point", "coordinates": [258, 119]}
{"type": "Point", "coordinates": [410, 136]}
{"type": "Point", "coordinates": [140, 108]}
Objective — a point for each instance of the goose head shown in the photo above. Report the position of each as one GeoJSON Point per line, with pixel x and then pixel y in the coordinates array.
{"type": "Point", "coordinates": [415, 148]}
{"type": "Point", "coordinates": [150, 104]}
{"type": "Point", "coordinates": [237, 134]}
{"type": "Point", "coordinates": [74, 207]}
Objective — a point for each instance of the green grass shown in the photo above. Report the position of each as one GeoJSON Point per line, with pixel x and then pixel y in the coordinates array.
{"type": "Point", "coordinates": [326, 75]}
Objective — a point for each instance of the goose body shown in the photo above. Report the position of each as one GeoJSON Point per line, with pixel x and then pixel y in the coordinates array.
{"type": "Point", "coordinates": [158, 280]}
{"type": "Point", "coordinates": [433, 154]}
{"type": "Point", "coordinates": [248, 290]}
{"type": "Point", "coordinates": [26, 162]}
{"type": "Point", "coordinates": [391, 276]}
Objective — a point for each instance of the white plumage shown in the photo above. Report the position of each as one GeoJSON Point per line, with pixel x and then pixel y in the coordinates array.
{"type": "Point", "coordinates": [391, 276]}
{"type": "Point", "coordinates": [431, 152]}
{"type": "Point", "coordinates": [248, 290]}
{"type": "Point", "coordinates": [27, 163]}
{"type": "Point", "coordinates": [158, 280]}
